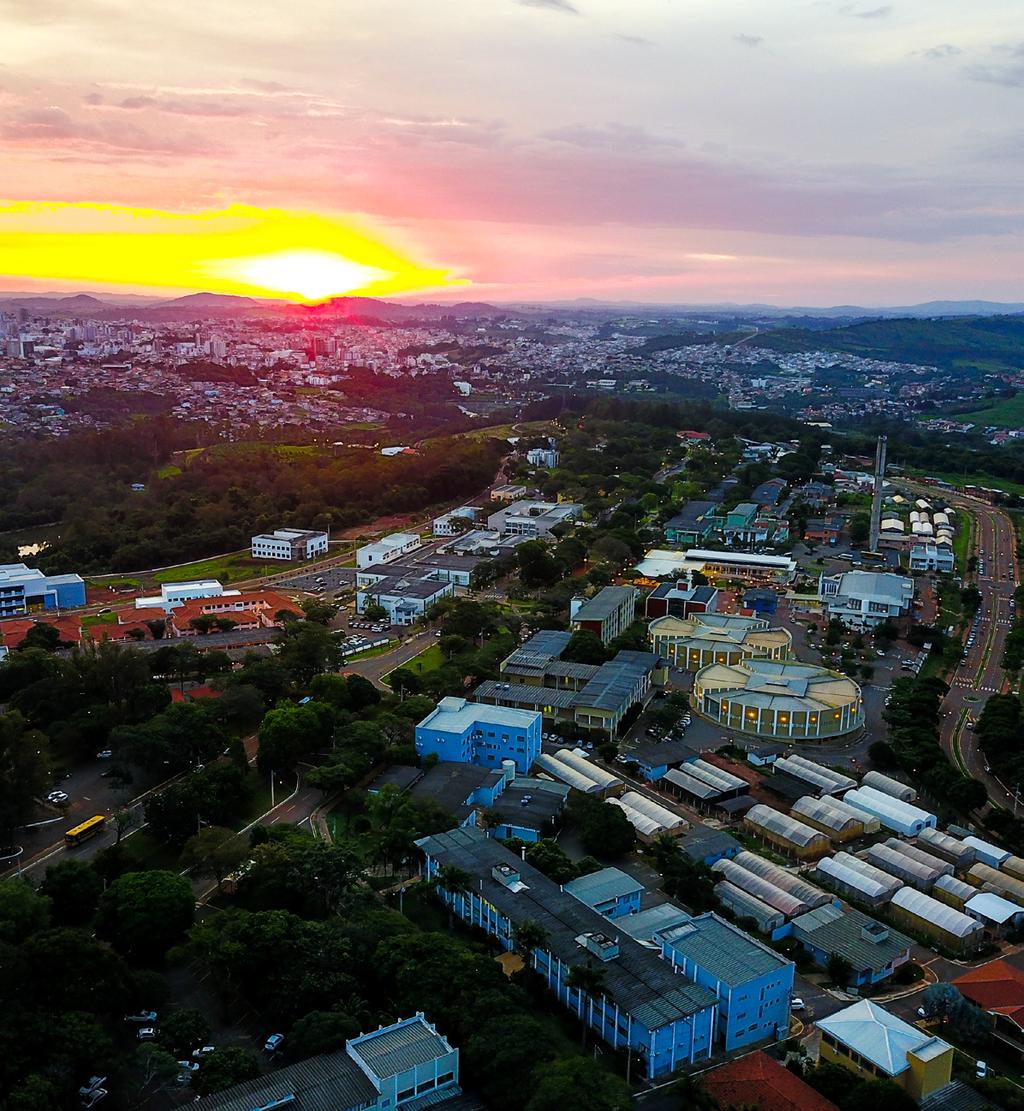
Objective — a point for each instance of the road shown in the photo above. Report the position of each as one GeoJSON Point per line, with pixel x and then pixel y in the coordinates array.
{"type": "Point", "coordinates": [994, 541]}
{"type": "Point", "coordinates": [374, 667]}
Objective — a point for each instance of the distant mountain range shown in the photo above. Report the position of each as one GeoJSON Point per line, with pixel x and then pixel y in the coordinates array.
{"type": "Point", "coordinates": [108, 305]}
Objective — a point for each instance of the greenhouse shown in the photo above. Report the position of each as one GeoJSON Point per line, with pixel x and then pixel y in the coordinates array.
{"type": "Point", "coordinates": [767, 892]}
{"type": "Point", "coordinates": [913, 872]}
{"type": "Point", "coordinates": [854, 885]}
{"type": "Point", "coordinates": [898, 816]}
{"type": "Point", "coordinates": [950, 848]}
{"type": "Point", "coordinates": [889, 786]}
{"type": "Point", "coordinates": [786, 833]}
{"type": "Point", "coordinates": [837, 822]}
{"type": "Point", "coordinates": [668, 819]}
{"type": "Point", "coordinates": [780, 878]}
{"type": "Point", "coordinates": [930, 860]}
{"type": "Point", "coordinates": [984, 876]}
{"type": "Point", "coordinates": [718, 777]}
{"type": "Point", "coordinates": [825, 780]}
{"type": "Point", "coordinates": [743, 905]}
{"type": "Point", "coordinates": [948, 889]}
{"type": "Point", "coordinates": [944, 923]}
{"type": "Point", "coordinates": [987, 853]}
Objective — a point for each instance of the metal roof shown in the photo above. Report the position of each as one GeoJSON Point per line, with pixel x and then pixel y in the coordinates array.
{"type": "Point", "coordinates": [720, 949]}
{"type": "Point", "coordinates": [396, 1049]}
{"type": "Point", "coordinates": [942, 916]}
{"type": "Point", "coordinates": [691, 785]}
{"type": "Point", "coordinates": [878, 1035]}
{"type": "Point", "coordinates": [991, 854]}
{"type": "Point", "coordinates": [703, 841]}
{"type": "Point", "coordinates": [992, 907]}
{"type": "Point", "coordinates": [762, 889]}
{"type": "Point", "coordinates": [746, 905]}
{"type": "Point", "coordinates": [456, 715]}
{"type": "Point", "coordinates": [557, 698]}
{"type": "Point", "coordinates": [646, 923]}
{"type": "Point", "coordinates": [716, 776]}
{"type": "Point", "coordinates": [606, 602]}
{"type": "Point", "coordinates": [813, 772]}
{"type": "Point", "coordinates": [327, 1082]}
{"type": "Point", "coordinates": [639, 981]}
{"type": "Point", "coordinates": [783, 880]}
{"type": "Point", "coordinates": [599, 887]}
{"type": "Point", "coordinates": [865, 943]}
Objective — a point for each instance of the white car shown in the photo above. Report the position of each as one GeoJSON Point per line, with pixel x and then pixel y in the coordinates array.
{"type": "Point", "coordinates": [146, 1033]}
{"type": "Point", "coordinates": [203, 1051]}
{"type": "Point", "coordinates": [57, 797]}
{"type": "Point", "coordinates": [797, 1004]}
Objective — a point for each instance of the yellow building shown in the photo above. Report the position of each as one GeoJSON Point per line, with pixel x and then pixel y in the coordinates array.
{"type": "Point", "coordinates": [778, 698]}
{"type": "Point", "coordinates": [875, 1044]}
{"type": "Point", "coordinates": [716, 638]}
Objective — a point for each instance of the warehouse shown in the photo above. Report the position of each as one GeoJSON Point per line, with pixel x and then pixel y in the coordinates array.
{"type": "Point", "coordinates": [824, 780]}
{"type": "Point", "coordinates": [744, 905]}
{"type": "Point", "coordinates": [948, 926]}
{"type": "Point", "coordinates": [786, 904]}
{"type": "Point", "coordinates": [998, 915]}
{"type": "Point", "coordinates": [689, 789]}
{"type": "Point", "coordinates": [783, 880]}
{"type": "Point", "coordinates": [786, 833]}
{"type": "Point", "coordinates": [856, 885]}
{"type": "Point", "coordinates": [898, 816]}
{"type": "Point", "coordinates": [948, 889]}
{"type": "Point", "coordinates": [724, 638]}
{"type": "Point", "coordinates": [913, 872]}
{"type": "Point", "coordinates": [873, 951]}
{"type": "Point", "coordinates": [948, 847]}
{"type": "Point", "coordinates": [777, 698]}
{"type": "Point", "coordinates": [991, 879]}
{"type": "Point", "coordinates": [838, 823]}
{"type": "Point", "coordinates": [889, 786]}
{"type": "Point", "coordinates": [728, 784]}
{"type": "Point", "coordinates": [987, 853]}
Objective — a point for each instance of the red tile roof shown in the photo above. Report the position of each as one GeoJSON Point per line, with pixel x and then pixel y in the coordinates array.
{"type": "Point", "coordinates": [997, 987]}
{"type": "Point", "coordinates": [14, 629]}
{"type": "Point", "coordinates": [757, 1081]}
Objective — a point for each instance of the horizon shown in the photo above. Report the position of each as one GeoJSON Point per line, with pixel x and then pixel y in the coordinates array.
{"type": "Point", "coordinates": [541, 150]}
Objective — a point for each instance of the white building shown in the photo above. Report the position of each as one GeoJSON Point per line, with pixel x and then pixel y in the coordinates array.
{"type": "Point", "coordinates": [930, 557]}
{"type": "Point", "coordinates": [173, 594]}
{"type": "Point", "coordinates": [453, 523]}
{"type": "Point", "coordinates": [289, 544]}
{"type": "Point", "coordinates": [406, 599]}
{"type": "Point", "coordinates": [744, 566]}
{"type": "Point", "coordinates": [864, 599]}
{"type": "Point", "coordinates": [542, 457]}
{"type": "Point", "coordinates": [533, 519]}
{"type": "Point", "coordinates": [388, 550]}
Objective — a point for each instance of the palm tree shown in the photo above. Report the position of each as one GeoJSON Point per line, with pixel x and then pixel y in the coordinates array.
{"type": "Point", "coordinates": [588, 981]}
{"type": "Point", "coordinates": [453, 881]}
{"type": "Point", "coordinates": [527, 937]}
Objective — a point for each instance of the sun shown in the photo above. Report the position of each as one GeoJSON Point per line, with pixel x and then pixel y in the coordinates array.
{"type": "Point", "coordinates": [310, 275]}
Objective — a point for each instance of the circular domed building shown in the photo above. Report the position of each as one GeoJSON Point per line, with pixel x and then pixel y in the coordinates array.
{"type": "Point", "coordinates": [778, 699]}
{"type": "Point", "coordinates": [724, 638]}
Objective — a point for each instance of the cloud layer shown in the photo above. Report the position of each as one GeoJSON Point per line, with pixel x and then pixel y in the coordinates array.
{"type": "Point", "coordinates": [820, 152]}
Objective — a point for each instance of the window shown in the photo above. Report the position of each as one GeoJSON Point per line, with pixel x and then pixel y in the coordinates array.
{"type": "Point", "coordinates": [407, 1094]}
{"type": "Point", "coordinates": [445, 1078]}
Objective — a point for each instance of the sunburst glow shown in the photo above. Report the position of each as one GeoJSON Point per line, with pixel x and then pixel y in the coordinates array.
{"type": "Point", "coordinates": [239, 249]}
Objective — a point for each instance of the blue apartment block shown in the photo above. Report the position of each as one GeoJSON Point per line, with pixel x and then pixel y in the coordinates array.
{"type": "Point", "coordinates": [610, 892]}
{"type": "Point", "coordinates": [664, 1017]}
{"type": "Point", "coordinates": [754, 984]}
{"type": "Point", "coordinates": [471, 733]}
{"type": "Point", "coordinates": [25, 589]}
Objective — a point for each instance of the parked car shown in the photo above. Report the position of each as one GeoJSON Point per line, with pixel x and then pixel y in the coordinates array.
{"type": "Point", "coordinates": [106, 754]}
{"type": "Point", "coordinates": [96, 1095]}
{"type": "Point", "coordinates": [57, 797]}
{"type": "Point", "coordinates": [203, 1051]}
{"type": "Point", "coordinates": [981, 1070]}
{"type": "Point", "coordinates": [273, 1043]}
{"type": "Point", "coordinates": [189, 1066]}
{"type": "Point", "coordinates": [797, 1004]}
{"type": "Point", "coordinates": [146, 1018]}
{"type": "Point", "coordinates": [146, 1033]}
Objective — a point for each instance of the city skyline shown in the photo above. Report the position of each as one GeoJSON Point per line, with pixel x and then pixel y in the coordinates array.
{"type": "Point", "coordinates": [816, 153]}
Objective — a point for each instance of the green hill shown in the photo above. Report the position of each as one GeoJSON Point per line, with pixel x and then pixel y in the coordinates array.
{"type": "Point", "coordinates": [986, 344]}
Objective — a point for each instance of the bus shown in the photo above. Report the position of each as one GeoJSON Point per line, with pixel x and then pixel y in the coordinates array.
{"type": "Point", "coordinates": [84, 830]}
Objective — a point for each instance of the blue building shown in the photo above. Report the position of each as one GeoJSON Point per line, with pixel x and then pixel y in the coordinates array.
{"type": "Point", "coordinates": [705, 845]}
{"type": "Point", "coordinates": [645, 1004]}
{"type": "Point", "coordinates": [471, 733]}
{"type": "Point", "coordinates": [754, 984]}
{"type": "Point", "coordinates": [24, 589]}
{"type": "Point", "coordinates": [610, 892]}
{"type": "Point", "coordinates": [873, 949]}
{"type": "Point", "coordinates": [408, 1064]}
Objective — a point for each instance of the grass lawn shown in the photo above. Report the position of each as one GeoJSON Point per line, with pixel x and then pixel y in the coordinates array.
{"type": "Point", "coordinates": [226, 568]}
{"type": "Point", "coordinates": [962, 542]}
{"type": "Point", "coordinates": [1002, 414]}
{"type": "Point", "coordinates": [430, 659]}
{"type": "Point", "coordinates": [168, 471]}
{"type": "Point", "coordinates": [118, 582]}
{"type": "Point", "coordinates": [990, 483]}
{"type": "Point", "coordinates": [369, 653]}
{"type": "Point", "coordinates": [99, 619]}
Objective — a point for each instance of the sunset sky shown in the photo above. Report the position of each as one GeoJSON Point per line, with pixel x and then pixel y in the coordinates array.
{"type": "Point", "coordinates": [783, 151]}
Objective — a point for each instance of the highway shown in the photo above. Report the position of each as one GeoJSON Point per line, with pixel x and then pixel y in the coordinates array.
{"type": "Point", "coordinates": [994, 542]}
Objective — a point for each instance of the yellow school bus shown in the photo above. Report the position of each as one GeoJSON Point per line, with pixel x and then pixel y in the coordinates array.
{"type": "Point", "coordinates": [84, 830]}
